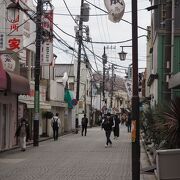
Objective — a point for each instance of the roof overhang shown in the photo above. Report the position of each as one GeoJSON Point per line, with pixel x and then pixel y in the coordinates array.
{"type": "Point", "coordinates": [17, 84]}
{"type": "Point", "coordinates": [42, 105]}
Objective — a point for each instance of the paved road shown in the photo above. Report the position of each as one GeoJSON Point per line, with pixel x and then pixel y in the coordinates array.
{"type": "Point", "coordinates": [72, 157]}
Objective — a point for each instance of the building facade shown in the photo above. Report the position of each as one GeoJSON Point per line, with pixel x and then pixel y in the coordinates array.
{"type": "Point", "coordinates": [164, 51]}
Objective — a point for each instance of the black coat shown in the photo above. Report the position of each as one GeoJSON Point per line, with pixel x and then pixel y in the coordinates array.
{"type": "Point", "coordinates": [107, 124]}
{"type": "Point", "coordinates": [116, 126]}
{"type": "Point", "coordinates": [19, 130]}
{"type": "Point", "coordinates": [84, 121]}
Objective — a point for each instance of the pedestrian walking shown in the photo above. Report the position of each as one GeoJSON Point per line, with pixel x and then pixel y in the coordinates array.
{"type": "Point", "coordinates": [116, 126]}
{"type": "Point", "coordinates": [84, 123]}
{"type": "Point", "coordinates": [55, 123]}
{"type": "Point", "coordinates": [107, 126]}
{"type": "Point", "coordinates": [123, 118]}
{"type": "Point", "coordinates": [128, 123]}
{"type": "Point", "coordinates": [22, 133]}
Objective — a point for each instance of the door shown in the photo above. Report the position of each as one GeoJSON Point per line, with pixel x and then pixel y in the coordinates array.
{"type": "Point", "coordinates": [3, 126]}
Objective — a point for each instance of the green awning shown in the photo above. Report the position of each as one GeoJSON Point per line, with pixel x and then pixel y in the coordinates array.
{"type": "Point", "coordinates": [68, 97]}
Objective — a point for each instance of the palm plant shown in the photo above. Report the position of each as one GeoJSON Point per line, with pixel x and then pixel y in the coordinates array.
{"type": "Point", "coordinates": [172, 124]}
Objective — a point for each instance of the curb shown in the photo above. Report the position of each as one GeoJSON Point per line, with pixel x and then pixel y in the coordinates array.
{"type": "Point", "coordinates": [149, 157]}
{"type": "Point", "coordinates": [31, 143]}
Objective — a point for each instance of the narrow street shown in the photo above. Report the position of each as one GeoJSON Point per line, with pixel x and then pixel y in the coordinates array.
{"type": "Point", "coordinates": [72, 157]}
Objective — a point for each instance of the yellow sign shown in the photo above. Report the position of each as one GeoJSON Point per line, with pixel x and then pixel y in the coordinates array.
{"type": "Point", "coordinates": [133, 126]}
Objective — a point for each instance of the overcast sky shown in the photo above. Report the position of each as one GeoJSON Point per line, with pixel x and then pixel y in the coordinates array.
{"type": "Point", "coordinates": [101, 29]}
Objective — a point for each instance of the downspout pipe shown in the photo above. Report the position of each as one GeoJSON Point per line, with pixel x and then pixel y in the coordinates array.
{"type": "Point", "coordinates": [172, 41]}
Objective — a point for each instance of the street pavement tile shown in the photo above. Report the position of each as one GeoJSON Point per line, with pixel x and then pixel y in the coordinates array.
{"type": "Point", "coordinates": [72, 157]}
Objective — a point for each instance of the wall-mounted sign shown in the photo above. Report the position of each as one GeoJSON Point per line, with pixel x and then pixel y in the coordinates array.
{"type": "Point", "coordinates": [2, 41]}
{"type": "Point", "coordinates": [3, 26]}
{"type": "Point", "coordinates": [46, 53]}
{"type": "Point", "coordinates": [14, 43]}
{"type": "Point", "coordinates": [128, 85]}
{"type": "Point", "coordinates": [8, 62]}
{"type": "Point", "coordinates": [13, 29]}
{"type": "Point", "coordinates": [115, 9]}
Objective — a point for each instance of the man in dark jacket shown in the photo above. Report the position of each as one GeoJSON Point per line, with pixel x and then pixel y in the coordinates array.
{"type": "Point", "coordinates": [84, 123]}
{"type": "Point", "coordinates": [129, 122]}
{"type": "Point", "coordinates": [107, 126]}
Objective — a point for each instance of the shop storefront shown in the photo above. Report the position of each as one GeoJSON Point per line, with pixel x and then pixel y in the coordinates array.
{"type": "Point", "coordinates": [11, 86]}
{"type": "Point", "coordinates": [26, 102]}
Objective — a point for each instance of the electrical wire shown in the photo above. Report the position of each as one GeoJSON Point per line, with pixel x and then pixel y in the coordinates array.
{"type": "Point", "coordinates": [107, 13]}
{"type": "Point", "coordinates": [98, 23]}
{"type": "Point", "coordinates": [94, 15]}
{"type": "Point", "coordinates": [102, 25]}
{"type": "Point", "coordinates": [94, 56]}
{"type": "Point", "coordinates": [69, 12]}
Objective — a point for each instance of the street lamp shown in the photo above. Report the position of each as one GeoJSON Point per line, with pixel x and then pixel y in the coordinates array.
{"type": "Point", "coordinates": [13, 12]}
{"type": "Point", "coordinates": [122, 55]}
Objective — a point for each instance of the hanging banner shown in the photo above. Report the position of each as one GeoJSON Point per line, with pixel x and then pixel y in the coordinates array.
{"type": "Point", "coordinates": [115, 9]}
{"type": "Point", "coordinates": [47, 45]}
{"type": "Point", "coordinates": [128, 85]}
{"type": "Point", "coordinates": [46, 53]}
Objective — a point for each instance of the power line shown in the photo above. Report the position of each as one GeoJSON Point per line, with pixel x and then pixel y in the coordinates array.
{"type": "Point", "coordinates": [98, 23]}
{"type": "Point", "coordinates": [93, 15]}
{"type": "Point", "coordinates": [107, 13]}
{"type": "Point", "coordinates": [69, 12]}
{"type": "Point", "coordinates": [116, 42]}
{"type": "Point", "coordinates": [94, 56]}
{"type": "Point", "coordinates": [102, 25]}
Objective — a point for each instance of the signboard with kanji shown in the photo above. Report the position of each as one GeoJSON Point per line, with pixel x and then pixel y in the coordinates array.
{"type": "Point", "coordinates": [14, 43]}
{"type": "Point", "coordinates": [128, 85]}
{"type": "Point", "coordinates": [47, 53]}
{"type": "Point", "coordinates": [14, 28]}
{"type": "Point", "coordinates": [8, 62]}
{"type": "Point", "coordinates": [2, 26]}
{"type": "Point", "coordinates": [2, 41]}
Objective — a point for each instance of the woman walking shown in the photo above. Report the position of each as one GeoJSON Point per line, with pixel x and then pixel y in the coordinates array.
{"type": "Point", "coordinates": [23, 133]}
{"type": "Point", "coordinates": [116, 126]}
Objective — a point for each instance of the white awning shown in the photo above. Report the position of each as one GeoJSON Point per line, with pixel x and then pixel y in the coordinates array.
{"type": "Point", "coordinates": [30, 104]}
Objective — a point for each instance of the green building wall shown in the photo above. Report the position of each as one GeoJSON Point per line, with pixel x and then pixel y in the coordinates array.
{"type": "Point", "coordinates": [162, 65]}
{"type": "Point", "coordinates": [160, 69]}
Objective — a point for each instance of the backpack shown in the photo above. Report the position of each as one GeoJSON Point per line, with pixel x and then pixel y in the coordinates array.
{"type": "Point", "coordinates": [84, 121]}
{"type": "Point", "coordinates": [55, 123]}
{"type": "Point", "coordinates": [104, 123]}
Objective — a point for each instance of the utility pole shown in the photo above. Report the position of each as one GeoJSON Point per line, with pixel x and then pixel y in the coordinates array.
{"type": "Point", "coordinates": [112, 85]}
{"type": "Point", "coordinates": [39, 11]}
{"type": "Point", "coordinates": [104, 58]}
{"type": "Point", "coordinates": [80, 34]}
{"type": "Point", "coordinates": [91, 117]}
{"type": "Point", "coordinates": [135, 97]}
